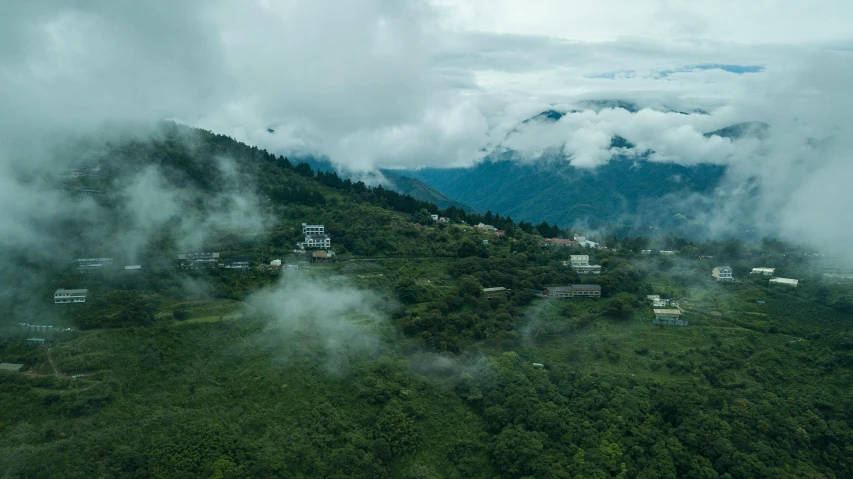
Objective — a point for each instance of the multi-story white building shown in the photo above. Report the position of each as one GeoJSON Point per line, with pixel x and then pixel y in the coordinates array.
{"type": "Point", "coordinates": [580, 263]}
{"type": "Point", "coordinates": [723, 273]}
{"type": "Point", "coordinates": [316, 241]}
{"type": "Point", "coordinates": [63, 296]}
{"type": "Point", "coordinates": [313, 229]}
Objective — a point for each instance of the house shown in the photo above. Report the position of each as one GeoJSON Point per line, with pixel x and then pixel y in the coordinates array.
{"type": "Point", "coordinates": [434, 217]}
{"type": "Point", "coordinates": [666, 252]}
{"type": "Point", "coordinates": [63, 296]}
{"type": "Point", "coordinates": [668, 316]}
{"type": "Point", "coordinates": [646, 251]}
{"type": "Point", "coordinates": [133, 267]}
{"type": "Point", "coordinates": [11, 367]}
{"type": "Point", "coordinates": [764, 271]}
{"type": "Point", "coordinates": [580, 263]}
{"type": "Point", "coordinates": [36, 341]}
{"type": "Point", "coordinates": [785, 281]}
{"type": "Point", "coordinates": [322, 256]}
{"type": "Point", "coordinates": [653, 297]}
{"type": "Point", "coordinates": [581, 240]}
{"type": "Point", "coordinates": [573, 291]}
{"type": "Point", "coordinates": [313, 229]}
{"type": "Point", "coordinates": [316, 241]}
{"type": "Point", "coordinates": [198, 260]}
{"type": "Point", "coordinates": [90, 265]}
{"type": "Point", "coordinates": [579, 259]}
{"type": "Point", "coordinates": [276, 263]}
{"type": "Point", "coordinates": [237, 262]}
{"type": "Point", "coordinates": [494, 292]}
{"type": "Point", "coordinates": [722, 273]}
{"type": "Point", "coordinates": [558, 292]}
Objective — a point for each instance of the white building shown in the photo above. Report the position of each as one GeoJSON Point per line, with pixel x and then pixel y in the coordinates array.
{"type": "Point", "coordinates": [723, 273]}
{"type": "Point", "coordinates": [764, 271]}
{"type": "Point", "coordinates": [63, 296]}
{"type": "Point", "coordinates": [434, 217]}
{"type": "Point", "coordinates": [316, 241]}
{"type": "Point", "coordinates": [666, 252]}
{"type": "Point", "coordinates": [580, 263]}
{"type": "Point", "coordinates": [313, 229]}
{"type": "Point", "coordinates": [198, 260]}
{"type": "Point", "coordinates": [785, 281]}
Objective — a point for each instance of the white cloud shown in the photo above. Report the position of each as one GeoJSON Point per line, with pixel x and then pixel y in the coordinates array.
{"type": "Point", "coordinates": [386, 83]}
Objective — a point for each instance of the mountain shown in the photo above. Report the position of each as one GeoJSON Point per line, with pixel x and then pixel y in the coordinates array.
{"type": "Point", "coordinates": [393, 360]}
{"type": "Point", "coordinates": [623, 190]}
{"type": "Point", "coordinates": [390, 179]}
{"type": "Point", "coordinates": [629, 189]}
{"type": "Point", "coordinates": [421, 191]}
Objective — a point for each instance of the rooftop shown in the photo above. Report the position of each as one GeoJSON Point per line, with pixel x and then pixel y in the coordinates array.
{"type": "Point", "coordinates": [491, 290]}
{"type": "Point", "coordinates": [72, 291]}
{"type": "Point", "coordinates": [132, 267]}
{"type": "Point", "coordinates": [668, 311]}
{"type": "Point", "coordinates": [789, 281]}
{"type": "Point", "coordinates": [11, 367]}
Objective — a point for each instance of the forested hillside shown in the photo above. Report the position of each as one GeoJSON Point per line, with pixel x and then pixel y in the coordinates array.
{"type": "Point", "coordinates": [390, 362]}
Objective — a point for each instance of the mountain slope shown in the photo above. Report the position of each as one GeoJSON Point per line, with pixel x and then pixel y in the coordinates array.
{"type": "Point", "coordinates": [421, 191]}
{"type": "Point", "coordinates": [624, 190]}
{"type": "Point", "coordinates": [628, 189]}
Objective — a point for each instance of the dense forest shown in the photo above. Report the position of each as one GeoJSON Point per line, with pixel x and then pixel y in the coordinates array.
{"type": "Point", "coordinates": [390, 361]}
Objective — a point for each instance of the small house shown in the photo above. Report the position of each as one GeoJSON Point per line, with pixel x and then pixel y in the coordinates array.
{"type": "Point", "coordinates": [668, 316]}
{"type": "Point", "coordinates": [237, 262]}
{"type": "Point", "coordinates": [322, 256]}
{"type": "Point", "coordinates": [36, 341]}
{"type": "Point", "coordinates": [722, 273]}
{"type": "Point", "coordinates": [494, 292]}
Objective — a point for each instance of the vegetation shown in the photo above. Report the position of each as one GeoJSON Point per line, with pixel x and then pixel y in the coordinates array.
{"type": "Point", "coordinates": [391, 363]}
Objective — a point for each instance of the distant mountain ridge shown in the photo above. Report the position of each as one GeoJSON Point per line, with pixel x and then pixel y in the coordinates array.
{"type": "Point", "coordinates": [629, 189]}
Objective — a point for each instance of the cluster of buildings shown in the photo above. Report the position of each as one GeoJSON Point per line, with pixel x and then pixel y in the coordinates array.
{"type": "Point", "coordinates": [666, 311]}
{"type": "Point", "coordinates": [582, 241]}
{"type": "Point", "coordinates": [724, 274]}
{"type": "Point", "coordinates": [489, 229]}
{"type": "Point", "coordinates": [770, 271]}
{"type": "Point", "coordinates": [580, 263]}
{"type": "Point", "coordinates": [439, 219]}
{"type": "Point", "coordinates": [573, 291]}
{"type": "Point", "coordinates": [557, 242]}
{"type": "Point", "coordinates": [210, 260]}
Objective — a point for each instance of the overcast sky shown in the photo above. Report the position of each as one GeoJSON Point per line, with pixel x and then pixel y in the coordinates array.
{"type": "Point", "coordinates": [391, 83]}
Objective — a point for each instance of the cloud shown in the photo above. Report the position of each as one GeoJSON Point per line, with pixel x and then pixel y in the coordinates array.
{"type": "Point", "coordinates": [387, 83]}
{"type": "Point", "coordinates": [308, 315]}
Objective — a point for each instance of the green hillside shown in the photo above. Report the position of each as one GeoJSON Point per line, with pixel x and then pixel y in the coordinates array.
{"type": "Point", "coordinates": [389, 362]}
